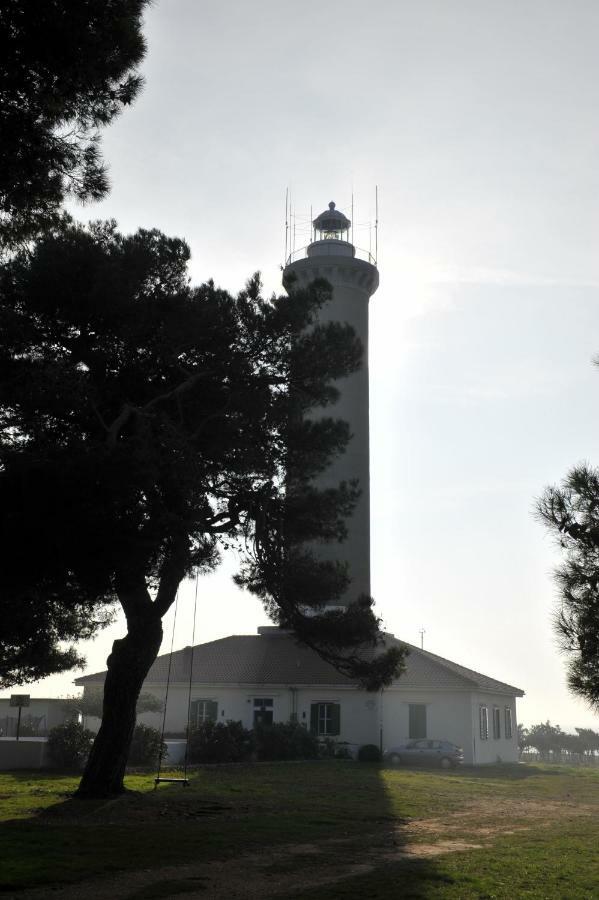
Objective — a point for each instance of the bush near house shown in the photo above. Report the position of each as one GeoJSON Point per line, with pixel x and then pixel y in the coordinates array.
{"type": "Point", "coordinates": [285, 740]}
{"type": "Point", "coordinates": [329, 748]}
{"type": "Point", "coordinates": [369, 753]}
{"type": "Point", "coordinates": [69, 745]}
{"type": "Point", "coordinates": [146, 746]}
{"type": "Point", "coordinates": [220, 742]}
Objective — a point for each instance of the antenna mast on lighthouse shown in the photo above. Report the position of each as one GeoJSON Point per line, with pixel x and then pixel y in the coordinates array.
{"type": "Point", "coordinates": [376, 224]}
{"type": "Point", "coordinates": [286, 223]}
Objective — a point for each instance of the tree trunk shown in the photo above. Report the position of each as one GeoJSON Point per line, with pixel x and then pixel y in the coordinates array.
{"type": "Point", "coordinates": [128, 665]}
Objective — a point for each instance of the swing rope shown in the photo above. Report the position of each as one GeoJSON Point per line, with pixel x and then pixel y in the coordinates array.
{"type": "Point", "coordinates": [158, 779]}
{"type": "Point", "coordinates": [184, 781]}
{"type": "Point", "coordinates": [193, 635]}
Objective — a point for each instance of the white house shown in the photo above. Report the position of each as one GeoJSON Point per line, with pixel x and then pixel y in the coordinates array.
{"type": "Point", "coordinates": [269, 677]}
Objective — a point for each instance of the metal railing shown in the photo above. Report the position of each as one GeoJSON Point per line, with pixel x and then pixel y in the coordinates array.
{"type": "Point", "coordinates": [302, 253]}
{"type": "Point", "coordinates": [31, 726]}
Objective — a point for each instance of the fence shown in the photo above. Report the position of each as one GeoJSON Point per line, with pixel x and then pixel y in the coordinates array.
{"type": "Point", "coordinates": [590, 759]}
{"type": "Point", "coordinates": [31, 726]}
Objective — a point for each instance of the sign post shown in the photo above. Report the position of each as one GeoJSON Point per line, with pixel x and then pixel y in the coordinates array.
{"type": "Point", "coordinates": [19, 700]}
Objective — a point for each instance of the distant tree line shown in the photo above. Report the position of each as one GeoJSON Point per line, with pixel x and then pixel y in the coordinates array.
{"type": "Point", "coordinates": [554, 745]}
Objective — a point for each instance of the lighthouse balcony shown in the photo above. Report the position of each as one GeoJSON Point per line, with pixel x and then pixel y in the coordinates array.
{"type": "Point", "coordinates": [331, 247]}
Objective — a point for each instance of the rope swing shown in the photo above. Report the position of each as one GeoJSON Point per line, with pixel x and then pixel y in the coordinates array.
{"type": "Point", "coordinates": [184, 781]}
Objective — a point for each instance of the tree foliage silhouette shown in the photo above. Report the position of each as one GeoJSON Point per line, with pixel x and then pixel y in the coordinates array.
{"type": "Point", "coordinates": [144, 423]}
{"type": "Point", "coordinates": [571, 512]}
{"type": "Point", "coordinates": [551, 742]}
{"type": "Point", "coordinates": [66, 70]}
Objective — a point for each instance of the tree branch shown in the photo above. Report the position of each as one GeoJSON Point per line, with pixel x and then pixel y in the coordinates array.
{"type": "Point", "coordinates": [120, 421]}
{"type": "Point", "coordinates": [171, 575]}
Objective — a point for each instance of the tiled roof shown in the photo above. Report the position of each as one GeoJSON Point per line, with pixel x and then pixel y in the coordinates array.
{"type": "Point", "coordinates": [426, 664]}
{"type": "Point", "coordinates": [275, 657]}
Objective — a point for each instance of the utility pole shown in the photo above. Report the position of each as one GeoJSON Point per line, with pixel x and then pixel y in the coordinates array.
{"type": "Point", "coordinates": [422, 633]}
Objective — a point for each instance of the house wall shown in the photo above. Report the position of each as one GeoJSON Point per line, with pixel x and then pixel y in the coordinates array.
{"type": "Point", "coordinates": [233, 703]}
{"type": "Point", "coordinates": [493, 750]}
{"type": "Point", "coordinates": [26, 753]}
{"type": "Point", "coordinates": [448, 717]}
{"type": "Point", "coordinates": [359, 710]}
{"type": "Point", "coordinates": [359, 722]}
{"type": "Point", "coordinates": [44, 713]}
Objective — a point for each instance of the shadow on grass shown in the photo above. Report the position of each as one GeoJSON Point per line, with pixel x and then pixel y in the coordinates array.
{"type": "Point", "coordinates": [410, 880]}
{"type": "Point", "coordinates": [339, 816]}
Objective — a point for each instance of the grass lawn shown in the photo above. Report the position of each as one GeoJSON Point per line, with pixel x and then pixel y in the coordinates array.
{"type": "Point", "coordinates": [309, 830]}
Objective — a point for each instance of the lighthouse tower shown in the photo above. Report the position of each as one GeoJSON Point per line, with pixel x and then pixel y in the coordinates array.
{"type": "Point", "coordinates": [353, 280]}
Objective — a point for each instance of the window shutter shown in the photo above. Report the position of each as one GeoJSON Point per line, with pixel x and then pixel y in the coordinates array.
{"type": "Point", "coordinates": [484, 723]}
{"type": "Point", "coordinates": [496, 722]}
{"type": "Point", "coordinates": [335, 710]}
{"type": "Point", "coordinates": [508, 722]}
{"type": "Point", "coordinates": [417, 723]}
{"type": "Point", "coordinates": [212, 710]}
{"type": "Point", "coordinates": [193, 713]}
{"type": "Point", "coordinates": [314, 718]}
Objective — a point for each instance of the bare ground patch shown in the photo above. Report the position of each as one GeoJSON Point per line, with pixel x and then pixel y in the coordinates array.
{"type": "Point", "coordinates": [476, 818]}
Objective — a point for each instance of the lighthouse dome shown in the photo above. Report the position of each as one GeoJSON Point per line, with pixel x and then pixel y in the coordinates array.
{"type": "Point", "coordinates": [331, 223]}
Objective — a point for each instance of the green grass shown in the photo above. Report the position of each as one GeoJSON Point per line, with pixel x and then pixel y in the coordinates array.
{"type": "Point", "coordinates": [366, 812]}
{"type": "Point", "coordinates": [551, 864]}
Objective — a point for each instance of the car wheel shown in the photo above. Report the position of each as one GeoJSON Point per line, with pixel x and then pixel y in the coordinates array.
{"type": "Point", "coordinates": [395, 759]}
{"type": "Point", "coordinates": [445, 762]}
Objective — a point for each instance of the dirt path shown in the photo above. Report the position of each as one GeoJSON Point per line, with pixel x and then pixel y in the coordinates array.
{"type": "Point", "coordinates": [283, 869]}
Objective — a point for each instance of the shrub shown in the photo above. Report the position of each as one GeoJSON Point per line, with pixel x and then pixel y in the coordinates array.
{"type": "Point", "coordinates": [146, 746]}
{"type": "Point", "coordinates": [329, 748]}
{"type": "Point", "coordinates": [285, 740]}
{"type": "Point", "coordinates": [343, 752]}
{"type": "Point", "coordinates": [220, 742]}
{"type": "Point", "coordinates": [69, 745]}
{"type": "Point", "coordinates": [369, 753]}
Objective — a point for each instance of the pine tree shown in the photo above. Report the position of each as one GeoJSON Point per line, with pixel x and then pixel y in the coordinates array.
{"type": "Point", "coordinates": [66, 70]}
{"type": "Point", "coordinates": [571, 513]}
{"type": "Point", "coordinates": [144, 424]}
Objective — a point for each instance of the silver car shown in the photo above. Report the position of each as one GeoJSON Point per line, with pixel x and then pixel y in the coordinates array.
{"type": "Point", "coordinates": [425, 753]}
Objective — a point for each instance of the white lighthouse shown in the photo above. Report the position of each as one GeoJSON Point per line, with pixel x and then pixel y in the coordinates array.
{"type": "Point", "coordinates": [354, 280]}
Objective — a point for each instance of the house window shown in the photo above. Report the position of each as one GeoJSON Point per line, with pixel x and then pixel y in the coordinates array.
{"type": "Point", "coordinates": [508, 722]}
{"type": "Point", "coordinates": [417, 723]}
{"type": "Point", "coordinates": [484, 723]}
{"type": "Point", "coordinates": [325, 719]}
{"type": "Point", "coordinates": [263, 710]}
{"type": "Point", "coordinates": [496, 722]}
{"type": "Point", "coordinates": [202, 711]}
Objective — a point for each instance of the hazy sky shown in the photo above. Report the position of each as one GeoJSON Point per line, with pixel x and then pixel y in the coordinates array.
{"type": "Point", "coordinates": [479, 121]}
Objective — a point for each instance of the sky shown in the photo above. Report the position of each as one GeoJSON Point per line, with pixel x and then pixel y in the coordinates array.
{"type": "Point", "coordinates": [479, 122]}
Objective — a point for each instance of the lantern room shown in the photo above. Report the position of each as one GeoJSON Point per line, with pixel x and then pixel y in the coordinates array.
{"type": "Point", "coordinates": [331, 234]}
